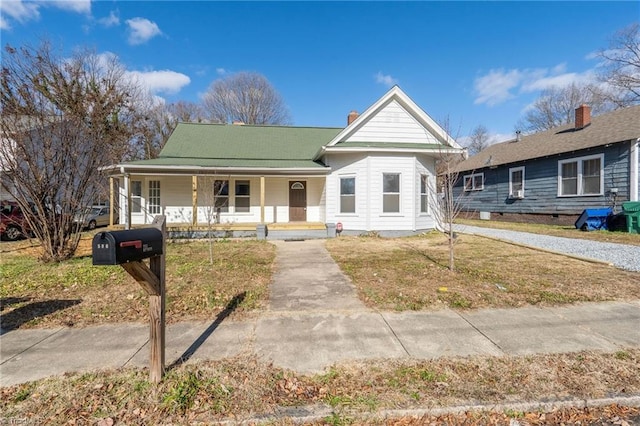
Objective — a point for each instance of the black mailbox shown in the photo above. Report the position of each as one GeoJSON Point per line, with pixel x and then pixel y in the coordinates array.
{"type": "Point", "coordinates": [115, 247]}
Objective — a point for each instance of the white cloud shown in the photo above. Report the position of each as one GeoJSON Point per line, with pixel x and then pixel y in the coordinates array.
{"type": "Point", "coordinates": [19, 11]}
{"type": "Point", "coordinates": [23, 11]}
{"type": "Point", "coordinates": [142, 30]}
{"type": "Point", "coordinates": [112, 20]}
{"type": "Point", "coordinates": [495, 87]}
{"type": "Point", "coordinates": [221, 71]}
{"type": "Point", "coordinates": [500, 85]}
{"type": "Point", "coordinates": [387, 80]}
{"type": "Point", "coordinates": [78, 6]}
{"type": "Point", "coordinates": [166, 81]}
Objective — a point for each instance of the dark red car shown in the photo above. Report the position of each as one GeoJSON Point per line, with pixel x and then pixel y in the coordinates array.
{"type": "Point", "coordinates": [12, 222]}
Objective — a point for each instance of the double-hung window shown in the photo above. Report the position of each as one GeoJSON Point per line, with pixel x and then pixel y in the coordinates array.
{"type": "Point", "coordinates": [154, 197]}
{"type": "Point", "coordinates": [391, 193]}
{"type": "Point", "coordinates": [581, 176]}
{"type": "Point", "coordinates": [243, 196]}
{"type": "Point", "coordinates": [424, 193]}
{"type": "Point", "coordinates": [516, 182]}
{"type": "Point", "coordinates": [347, 195]}
{"type": "Point", "coordinates": [221, 195]}
{"type": "Point", "coordinates": [474, 182]}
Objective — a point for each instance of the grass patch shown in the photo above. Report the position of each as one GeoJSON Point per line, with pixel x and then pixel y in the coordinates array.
{"type": "Point", "coordinates": [76, 293]}
{"type": "Point", "coordinates": [557, 231]}
{"type": "Point", "coordinates": [410, 274]}
{"type": "Point", "coordinates": [243, 388]}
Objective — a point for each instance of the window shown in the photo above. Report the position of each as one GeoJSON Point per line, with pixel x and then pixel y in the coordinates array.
{"type": "Point", "coordinates": [136, 196]}
{"type": "Point", "coordinates": [243, 196]}
{"type": "Point", "coordinates": [221, 195]}
{"type": "Point", "coordinates": [516, 182]}
{"type": "Point", "coordinates": [391, 193]}
{"type": "Point", "coordinates": [424, 194]}
{"type": "Point", "coordinates": [348, 195]}
{"type": "Point", "coordinates": [474, 182]}
{"type": "Point", "coordinates": [154, 197]}
{"type": "Point", "coordinates": [581, 176]}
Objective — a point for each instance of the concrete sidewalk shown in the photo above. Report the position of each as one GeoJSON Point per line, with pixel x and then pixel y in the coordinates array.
{"type": "Point", "coordinates": [315, 320]}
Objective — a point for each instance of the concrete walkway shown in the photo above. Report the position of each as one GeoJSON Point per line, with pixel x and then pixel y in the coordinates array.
{"type": "Point", "coordinates": [315, 320]}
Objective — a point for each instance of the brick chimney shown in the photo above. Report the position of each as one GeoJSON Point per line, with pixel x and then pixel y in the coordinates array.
{"type": "Point", "coordinates": [352, 117]}
{"type": "Point", "coordinates": [583, 116]}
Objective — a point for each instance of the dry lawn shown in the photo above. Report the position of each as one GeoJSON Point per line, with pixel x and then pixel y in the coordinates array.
{"type": "Point", "coordinates": [76, 293]}
{"type": "Point", "coordinates": [245, 389]}
{"type": "Point", "coordinates": [411, 274]}
{"type": "Point", "coordinates": [557, 231]}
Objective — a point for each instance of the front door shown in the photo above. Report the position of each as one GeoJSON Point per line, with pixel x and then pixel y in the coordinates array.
{"type": "Point", "coordinates": [297, 201]}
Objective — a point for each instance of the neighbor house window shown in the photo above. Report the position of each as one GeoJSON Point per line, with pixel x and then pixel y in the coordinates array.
{"type": "Point", "coordinates": [136, 196]}
{"type": "Point", "coordinates": [516, 182]}
{"type": "Point", "coordinates": [391, 193]}
{"type": "Point", "coordinates": [243, 196]}
{"type": "Point", "coordinates": [154, 197]}
{"type": "Point", "coordinates": [581, 176]}
{"type": "Point", "coordinates": [347, 195]}
{"type": "Point", "coordinates": [221, 195]}
{"type": "Point", "coordinates": [424, 194]}
{"type": "Point", "coordinates": [474, 182]}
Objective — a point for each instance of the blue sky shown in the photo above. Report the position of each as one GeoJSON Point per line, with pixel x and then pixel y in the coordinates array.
{"type": "Point", "coordinates": [471, 62]}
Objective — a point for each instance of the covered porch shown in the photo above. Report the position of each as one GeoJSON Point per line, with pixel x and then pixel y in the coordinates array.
{"type": "Point", "coordinates": [226, 203]}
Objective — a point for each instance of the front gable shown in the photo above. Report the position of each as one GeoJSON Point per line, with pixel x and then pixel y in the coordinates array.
{"type": "Point", "coordinates": [394, 119]}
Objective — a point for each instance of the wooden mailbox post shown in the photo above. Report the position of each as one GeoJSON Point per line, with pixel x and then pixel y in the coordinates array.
{"type": "Point", "coordinates": [152, 280]}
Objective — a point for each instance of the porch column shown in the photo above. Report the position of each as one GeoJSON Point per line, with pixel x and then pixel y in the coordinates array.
{"type": "Point", "coordinates": [127, 207]}
{"type": "Point", "coordinates": [111, 201]}
{"type": "Point", "coordinates": [261, 199]}
{"type": "Point", "coordinates": [194, 200]}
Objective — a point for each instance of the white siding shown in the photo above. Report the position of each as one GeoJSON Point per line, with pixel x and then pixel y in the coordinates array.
{"type": "Point", "coordinates": [392, 124]}
{"type": "Point", "coordinates": [368, 171]}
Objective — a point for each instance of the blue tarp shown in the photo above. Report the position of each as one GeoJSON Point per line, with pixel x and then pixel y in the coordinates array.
{"type": "Point", "coordinates": [594, 219]}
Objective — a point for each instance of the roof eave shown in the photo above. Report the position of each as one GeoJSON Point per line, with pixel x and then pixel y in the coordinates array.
{"type": "Point", "coordinates": [199, 170]}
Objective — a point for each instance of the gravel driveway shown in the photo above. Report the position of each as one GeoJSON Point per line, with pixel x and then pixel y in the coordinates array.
{"type": "Point", "coordinates": [623, 256]}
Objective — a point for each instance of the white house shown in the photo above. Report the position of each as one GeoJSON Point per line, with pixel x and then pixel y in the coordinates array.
{"type": "Point", "coordinates": [376, 174]}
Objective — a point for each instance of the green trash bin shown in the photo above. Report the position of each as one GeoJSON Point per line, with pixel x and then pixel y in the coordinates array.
{"type": "Point", "coordinates": [631, 210]}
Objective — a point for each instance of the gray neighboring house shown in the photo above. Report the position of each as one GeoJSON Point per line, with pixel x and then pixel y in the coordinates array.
{"type": "Point", "coordinates": [552, 176]}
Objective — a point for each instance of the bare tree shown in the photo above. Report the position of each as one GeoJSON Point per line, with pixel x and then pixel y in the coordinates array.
{"type": "Point", "coordinates": [621, 67]}
{"type": "Point", "coordinates": [214, 194]}
{"type": "Point", "coordinates": [556, 106]}
{"type": "Point", "coordinates": [160, 121]}
{"type": "Point", "coordinates": [61, 119]}
{"type": "Point", "coordinates": [448, 204]}
{"type": "Point", "coordinates": [247, 97]}
{"type": "Point", "coordinates": [478, 140]}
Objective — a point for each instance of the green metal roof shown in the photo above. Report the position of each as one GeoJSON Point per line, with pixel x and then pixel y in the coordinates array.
{"type": "Point", "coordinates": [245, 142]}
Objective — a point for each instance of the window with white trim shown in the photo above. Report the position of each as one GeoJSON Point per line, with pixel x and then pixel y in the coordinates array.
{"type": "Point", "coordinates": [243, 196]}
{"type": "Point", "coordinates": [154, 197]}
{"type": "Point", "coordinates": [424, 193]}
{"type": "Point", "coordinates": [581, 176]}
{"type": "Point", "coordinates": [136, 196]}
{"type": "Point", "coordinates": [474, 182]}
{"type": "Point", "coordinates": [391, 193]}
{"type": "Point", "coordinates": [221, 195]}
{"type": "Point", "coordinates": [347, 195]}
{"type": "Point", "coordinates": [516, 182]}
